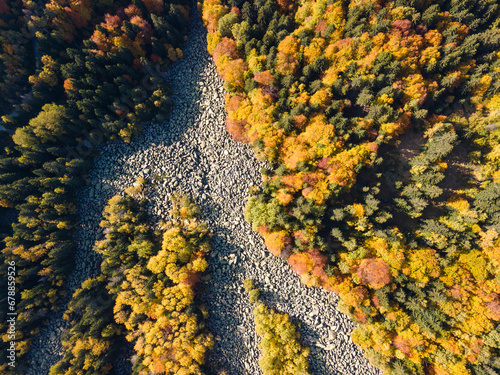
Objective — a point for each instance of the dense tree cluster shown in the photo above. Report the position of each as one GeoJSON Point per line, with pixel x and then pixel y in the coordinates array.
{"type": "Point", "coordinates": [282, 353]}
{"type": "Point", "coordinates": [16, 55]}
{"type": "Point", "coordinates": [146, 291]}
{"type": "Point", "coordinates": [91, 342]}
{"type": "Point", "coordinates": [99, 75]}
{"type": "Point", "coordinates": [380, 120]}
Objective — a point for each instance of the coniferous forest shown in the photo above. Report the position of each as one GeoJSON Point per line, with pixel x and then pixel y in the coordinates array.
{"type": "Point", "coordinates": [379, 123]}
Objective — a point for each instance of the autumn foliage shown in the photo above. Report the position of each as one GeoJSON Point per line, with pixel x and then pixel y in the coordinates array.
{"type": "Point", "coordinates": [73, 75]}
{"type": "Point", "coordinates": [281, 349]}
{"type": "Point", "coordinates": [145, 292]}
{"type": "Point", "coordinates": [379, 120]}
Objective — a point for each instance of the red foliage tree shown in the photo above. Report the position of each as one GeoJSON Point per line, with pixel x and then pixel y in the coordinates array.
{"type": "Point", "coordinates": [319, 261]}
{"type": "Point", "coordinates": [236, 128]}
{"type": "Point", "coordinates": [228, 48]}
{"type": "Point", "coordinates": [321, 27]}
{"type": "Point", "coordinates": [323, 164]}
{"type": "Point", "coordinates": [264, 78]}
{"type": "Point", "coordinates": [403, 26]}
{"type": "Point", "coordinates": [400, 344]}
{"type": "Point", "coordinates": [132, 10]}
{"type": "Point", "coordinates": [298, 263]}
{"type": "Point", "coordinates": [234, 103]}
{"type": "Point", "coordinates": [236, 11]}
{"type": "Point", "coordinates": [300, 121]}
{"type": "Point", "coordinates": [374, 272]}
{"type": "Point", "coordinates": [494, 306]}
{"type": "Point", "coordinates": [112, 22]}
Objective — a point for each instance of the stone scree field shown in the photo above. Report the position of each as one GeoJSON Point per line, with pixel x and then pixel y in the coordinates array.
{"type": "Point", "coordinates": [195, 155]}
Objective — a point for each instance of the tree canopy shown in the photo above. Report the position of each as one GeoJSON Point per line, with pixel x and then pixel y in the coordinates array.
{"type": "Point", "coordinates": [379, 123]}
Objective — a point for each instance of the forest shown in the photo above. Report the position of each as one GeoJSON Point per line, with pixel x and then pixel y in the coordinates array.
{"type": "Point", "coordinates": [87, 72]}
{"type": "Point", "coordinates": [145, 293]}
{"type": "Point", "coordinates": [379, 121]}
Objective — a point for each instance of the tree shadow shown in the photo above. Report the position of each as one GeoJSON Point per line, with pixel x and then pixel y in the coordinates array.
{"type": "Point", "coordinates": [235, 336]}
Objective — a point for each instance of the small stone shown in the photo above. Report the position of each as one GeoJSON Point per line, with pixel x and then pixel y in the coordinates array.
{"type": "Point", "coordinates": [332, 334]}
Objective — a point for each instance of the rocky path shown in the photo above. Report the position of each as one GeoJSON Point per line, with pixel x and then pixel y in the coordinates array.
{"type": "Point", "coordinates": [194, 154]}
